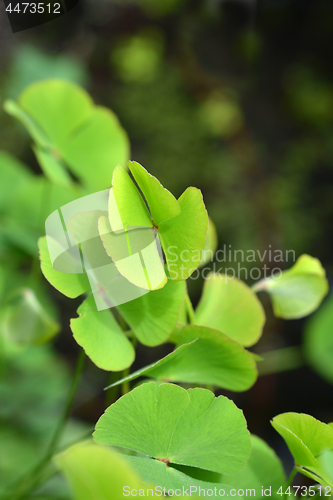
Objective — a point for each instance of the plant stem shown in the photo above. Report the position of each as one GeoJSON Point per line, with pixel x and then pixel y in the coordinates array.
{"type": "Point", "coordinates": [32, 478]}
{"type": "Point", "coordinates": [189, 307]}
{"type": "Point", "coordinates": [125, 386]}
{"type": "Point", "coordinates": [290, 480]}
{"type": "Point", "coordinates": [68, 405]}
{"type": "Point", "coordinates": [111, 395]}
{"type": "Point", "coordinates": [279, 360]}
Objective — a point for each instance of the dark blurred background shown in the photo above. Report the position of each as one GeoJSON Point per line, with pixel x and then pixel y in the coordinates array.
{"type": "Point", "coordinates": [234, 97]}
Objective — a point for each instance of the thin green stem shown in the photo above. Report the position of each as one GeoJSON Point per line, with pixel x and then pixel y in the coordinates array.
{"type": "Point", "coordinates": [28, 482]}
{"type": "Point", "coordinates": [189, 307]}
{"type": "Point", "coordinates": [68, 405]}
{"type": "Point", "coordinates": [112, 394]}
{"type": "Point", "coordinates": [290, 480]}
{"type": "Point", "coordinates": [125, 386]}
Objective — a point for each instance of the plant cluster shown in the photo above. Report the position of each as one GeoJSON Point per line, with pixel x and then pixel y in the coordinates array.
{"type": "Point", "coordinates": [129, 255]}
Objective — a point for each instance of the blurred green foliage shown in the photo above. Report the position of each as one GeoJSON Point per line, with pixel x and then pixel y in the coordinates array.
{"type": "Point", "coordinates": [211, 94]}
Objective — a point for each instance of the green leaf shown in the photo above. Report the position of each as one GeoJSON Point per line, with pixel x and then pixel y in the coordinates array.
{"type": "Point", "coordinates": [229, 305]}
{"type": "Point", "coordinates": [30, 205]}
{"type": "Point", "coordinates": [318, 341]}
{"type": "Point", "coordinates": [57, 106]}
{"type": "Point", "coordinates": [25, 321]}
{"type": "Point", "coordinates": [263, 470]}
{"type": "Point", "coordinates": [36, 132]}
{"type": "Point", "coordinates": [182, 321]}
{"type": "Point", "coordinates": [326, 460]}
{"type": "Point", "coordinates": [153, 316]}
{"type": "Point", "coordinates": [129, 203]}
{"type": "Point", "coordinates": [183, 237]}
{"type": "Point", "coordinates": [96, 472]}
{"type": "Point", "coordinates": [298, 291]}
{"type": "Point", "coordinates": [184, 232]}
{"type": "Point", "coordinates": [64, 123]}
{"type": "Point", "coordinates": [93, 150]}
{"type": "Point", "coordinates": [101, 337]}
{"type": "Point", "coordinates": [185, 427]}
{"type": "Point", "coordinates": [83, 226]}
{"type": "Point", "coordinates": [211, 243]}
{"type": "Point", "coordinates": [80, 249]}
{"type": "Point", "coordinates": [162, 204]}
{"type": "Point", "coordinates": [305, 436]}
{"type": "Point", "coordinates": [135, 254]}
{"type": "Point", "coordinates": [52, 167]}
{"type": "Point", "coordinates": [70, 284]}
{"type": "Point", "coordinates": [207, 357]}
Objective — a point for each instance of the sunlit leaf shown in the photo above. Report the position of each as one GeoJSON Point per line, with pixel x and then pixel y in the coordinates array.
{"type": "Point", "coordinates": [307, 438]}
{"type": "Point", "coordinates": [95, 149]}
{"type": "Point", "coordinates": [299, 291]}
{"type": "Point", "coordinates": [326, 460]}
{"type": "Point", "coordinates": [181, 225]}
{"type": "Point", "coordinates": [70, 284]}
{"type": "Point", "coordinates": [204, 356]}
{"type": "Point", "coordinates": [153, 316]}
{"type": "Point", "coordinates": [65, 124]}
{"type": "Point", "coordinates": [186, 427]}
{"type": "Point", "coordinates": [101, 337]}
{"type": "Point", "coordinates": [183, 237]}
{"type": "Point", "coordinates": [57, 106]}
{"type": "Point", "coordinates": [229, 305]}
{"type": "Point", "coordinates": [162, 204]}
{"type": "Point", "coordinates": [136, 254]}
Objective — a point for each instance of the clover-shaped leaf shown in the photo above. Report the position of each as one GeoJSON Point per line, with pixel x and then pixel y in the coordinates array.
{"type": "Point", "coordinates": [132, 208]}
{"type": "Point", "coordinates": [181, 226]}
{"type": "Point", "coordinates": [69, 129]}
{"type": "Point", "coordinates": [204, 356]}
{"type": "Point", "coordinates": [173, 425]}
{"type": "Point", "coordinates": [307, 438]}
{"type": "Point", "coordinates": [101, 337]}
{"type": "Point", "coordinates": [229, 305]}
{"type": "Point", "coordinates": [298, 291]}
